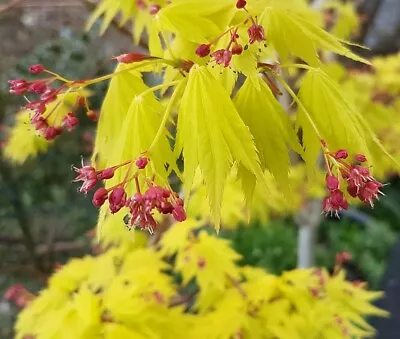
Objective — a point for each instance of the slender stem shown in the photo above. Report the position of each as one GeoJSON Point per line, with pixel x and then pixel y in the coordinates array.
{"type": "Point", "coordinates": [58, 77]}
{"type": "Point", "coordinates": [166, 115]}
{"type": "Point", "coordinates": [109, 76]}
{"type": "Point", "coordinates": [295, 98]}
{"type": "Point", "coordinates": [137, 184]}
{"type": "Point", "coordinates": [303, 66]}
{"type": "Point", "coordinates": [328, 167]}
{"type": "Point", "coordinates": [157, 87]}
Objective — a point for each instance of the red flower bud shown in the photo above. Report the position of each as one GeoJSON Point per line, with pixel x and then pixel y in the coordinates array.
{"type": "Point", "coordinates": [38, 87]}
{"type": "Point", "coordinates": [179, 213]}
{"type": "Point", "coordinates": [117, 199]}
{"type": "Point", "coordinates": [353, 190]}
{"type": "Point", "coordinates": [332, 183]}
{"type": "Point", "coordinates": [107, 173]}
{"type": "Point", "coordinates": [341, 154]}
{"type": "Point", "coordinates": [99, 197]}
{"type": "Point", "coordinates": [142, 162]}
{"type": "Point", "coordinates": [50, 133]}
{"type": "Point", "coordinates": [241, 4]}
{"type": "Point", "coordinates": [133, 57]}
{"type": "Point", "coordinates": [36, 69]}
{"type": "Point", "coordinates": [237, 49]}
{"type": "Point", "coordinates": [203, 50]}
{"type": "Point", "coordinates": [166, 208]}
{"type": "Point", "coordinates": [360, 158]}
{"type": "Point", "coordinates": [18, 86]}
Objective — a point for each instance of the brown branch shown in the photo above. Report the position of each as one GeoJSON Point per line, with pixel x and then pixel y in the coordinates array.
{"type": "Point", "coordinates": [10, 5]}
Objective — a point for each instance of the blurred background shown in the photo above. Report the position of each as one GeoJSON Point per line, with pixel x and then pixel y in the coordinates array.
{"type": "Point", "coordinates": [44, 221]}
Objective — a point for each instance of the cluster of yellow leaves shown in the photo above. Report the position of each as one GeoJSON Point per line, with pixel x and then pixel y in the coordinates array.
{"type": "Point", "coordinates": [218, 131]}
{"type": "Point", "coordinates": [192, 287]}
{"type": "Point", "coordinates": [223, 124]}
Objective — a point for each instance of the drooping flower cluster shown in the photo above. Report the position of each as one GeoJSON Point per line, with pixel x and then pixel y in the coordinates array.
{"type": "Point", "coordinates": [354, 175]}
{"type": "Point", "coordinates": [223, 56]}
{"type": "Point", "coordinates": [141, 206]}
{"type": "Point", "coordinates": [47, 95]}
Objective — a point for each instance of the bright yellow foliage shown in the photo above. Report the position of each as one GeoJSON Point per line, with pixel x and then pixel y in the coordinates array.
{"type": "Point", "coordinates": [236, 143]}
{"type": "Point", "coordinates": [132, 294]}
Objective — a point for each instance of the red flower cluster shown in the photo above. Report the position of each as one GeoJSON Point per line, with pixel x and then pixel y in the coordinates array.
{"type": "Point", "coordinates": [47, 94]}
{"type": "Point", "coordinates": [141, 206]}
{"type": "Point", "coordinates": [224, 56]}
{"type": "Point", "coordinates": [19, 294]}
{"type": "Point", "coordinates": [360, 184]}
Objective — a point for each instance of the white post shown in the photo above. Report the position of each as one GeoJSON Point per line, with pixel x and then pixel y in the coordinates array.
{"type": "Point", "coordinates": [307, 220]}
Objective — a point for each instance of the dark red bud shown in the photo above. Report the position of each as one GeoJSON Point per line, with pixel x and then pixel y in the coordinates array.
{"type": "Point", "coordinates": [142, 162]}
{"type": "Point", "coordinates": [36, 69]}
{"type": "Point", "coordinates": [99, 197]}
{"type": "Point", "coordinates": [107, 173]}
{"type": "Point", "coordinates": [133, 57]}
{"type": "Point", "coordinates": [50, 132]}
{"type": "Point", "coordinates": [360, 158]}
{"type": "Point", "coordinates": [179, 213]}
{"type": "Point", "coordinates": [241, 4]}
{"type": "Point", "coordinates": [332, 182]}
{"type": "Point", "coordinates": [117, 199]}
{"type": "Point", "coordinates": [237, 49]}
{"type": "Point", "coordinates": [38, 87]}
{"type": "Point", "coordinates": [353, 190]}
{"type": "Point", "coordinates": [203, 50]}
{"type": "Point", "coordinates": [341, 154]}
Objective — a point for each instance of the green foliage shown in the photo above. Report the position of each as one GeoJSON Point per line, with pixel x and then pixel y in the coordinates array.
{"type": "Point", "coordinates": [271, 246]}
